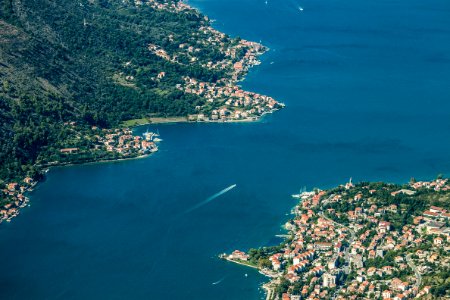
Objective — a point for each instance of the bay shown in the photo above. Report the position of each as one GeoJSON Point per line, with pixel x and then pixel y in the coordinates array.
{"type": "Point", "coordinates": [367, 89]}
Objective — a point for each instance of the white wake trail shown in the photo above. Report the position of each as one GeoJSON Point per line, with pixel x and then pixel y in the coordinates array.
{"type": "Point", "coordinates": [210, 198]}
{"type": "Point", "coordinates": [219, 281]}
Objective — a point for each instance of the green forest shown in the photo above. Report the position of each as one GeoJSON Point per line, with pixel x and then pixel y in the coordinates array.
{"type": "Point", "coordinates": [64, 61]}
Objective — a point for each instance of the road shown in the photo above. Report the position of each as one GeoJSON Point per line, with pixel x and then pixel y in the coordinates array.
{"type": "Point", "coordinates": [413, 266]}
{"type": "Point", "coordinates": [346, 251]}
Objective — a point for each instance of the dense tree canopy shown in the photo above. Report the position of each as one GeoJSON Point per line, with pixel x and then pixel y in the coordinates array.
{"type": "Point", "coordinates": [69, 61]}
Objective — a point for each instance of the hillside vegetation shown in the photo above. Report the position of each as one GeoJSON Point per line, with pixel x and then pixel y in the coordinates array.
{"type": "Point", "coordinates": [88, 62]}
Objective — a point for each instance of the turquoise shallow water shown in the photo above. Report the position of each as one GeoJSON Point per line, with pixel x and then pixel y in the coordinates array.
{"type": "Point", "coordinates": [367, 89]}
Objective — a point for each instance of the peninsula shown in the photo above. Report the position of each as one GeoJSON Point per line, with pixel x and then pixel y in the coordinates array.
{"type": "Point", "coordinates": [77, 102]}
{"type": "Point", "coordinates": [361, 241]}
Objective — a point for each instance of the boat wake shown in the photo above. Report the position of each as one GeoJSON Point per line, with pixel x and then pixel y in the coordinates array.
{"type": "Point", "coordinates": [218, 281]}
{"type": "Point", "coordinates": [210, 198]}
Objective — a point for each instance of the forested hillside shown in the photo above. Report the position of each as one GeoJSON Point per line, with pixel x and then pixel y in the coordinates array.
{"type": "Point", "coordinates": [89, 62]}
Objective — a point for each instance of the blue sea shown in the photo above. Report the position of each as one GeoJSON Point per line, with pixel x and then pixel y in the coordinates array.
{"type": "Point", "coordinates": [367, 89]}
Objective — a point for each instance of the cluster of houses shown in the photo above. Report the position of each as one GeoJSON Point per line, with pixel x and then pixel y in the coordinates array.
{"type": "Point", "coordinates": [231, 50]}
{"type": "Point", "coordinates": [433, 221]}
{"type": "Point", "coordinates": [311, 257]}
{"type": "Point", "coordinates": [190, 51]}
{"type": "Point", "coordinates": [236, 104]}
{"type": "Point", "coordinates": [238, 57]}
{"type": "Point", "coordinates": [160, 52]}
{"type": "Point", "coordinates": [208, 37]}
{"type": "Point", "coordinates": [124, 142]}
{"type": "Point", "coordinates": [120, 141]}
{"type": "Point", "coordinates": [14, 192]}
{"type": "Point", "coordinates": [440, 184]}
{"type": "Point", "coordinates": [238, 255]}
{"type": "Point", "coordinates": [173, 6]}
{"type": "Point", "coordinates": [364, 258]}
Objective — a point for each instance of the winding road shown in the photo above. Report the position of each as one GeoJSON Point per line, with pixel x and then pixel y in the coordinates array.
{"type": "Point", "coordinates": [414, 268]}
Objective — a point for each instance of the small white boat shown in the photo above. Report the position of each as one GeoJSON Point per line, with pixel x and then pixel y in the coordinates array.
{"type": "Point", "coordinates": [300, 193]}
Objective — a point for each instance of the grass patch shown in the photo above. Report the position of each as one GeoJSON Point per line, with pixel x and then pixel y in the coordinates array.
{"type": "Point", "coordinates": [135, 122]}
{"type": "Point", "coordinates": [153, 120]}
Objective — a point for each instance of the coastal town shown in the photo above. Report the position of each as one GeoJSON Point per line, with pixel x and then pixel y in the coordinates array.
{"type": "Point", "coordinates": [105, 144]}
{"type": "Point", "coordinates": [239, 104]}
{"type": "Point", "coordinates": [225, 100]}
{"type": "Point", "coordinates": [361, 241]}
{"type": "Point", "coordinates": [367, 83]}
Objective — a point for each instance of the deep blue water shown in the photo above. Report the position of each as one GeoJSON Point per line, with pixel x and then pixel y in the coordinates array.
{"type": "Point", "coordinates": [367, 88]}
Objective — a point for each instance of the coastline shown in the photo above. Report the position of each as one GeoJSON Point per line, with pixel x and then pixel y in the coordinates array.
{"type": "Point", "coordinates": [326, 256]}
{"type": "Point", "coordinates": [268, 106]}
{"type": "Point", "coordinates": [223, 99]}
{"type": "Point", "coordinates": [26, 198]}
{"type": "Point", "coordinates": [154, 120]}
{"type": "Point", "coordinates": [223, 256]}
{"type": "Point", "coordinates": [120, 142]}
{"type": "Point", "coordinates": [178, 120]}
{"type": "Point", "coordinates": [269, 287]}
{"type": "Point", "coordinates": [306, 146]}
{"type": "Point", "coordinates": [228, 112]}
{"type": "Point", "coordinates": [101, 161]}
